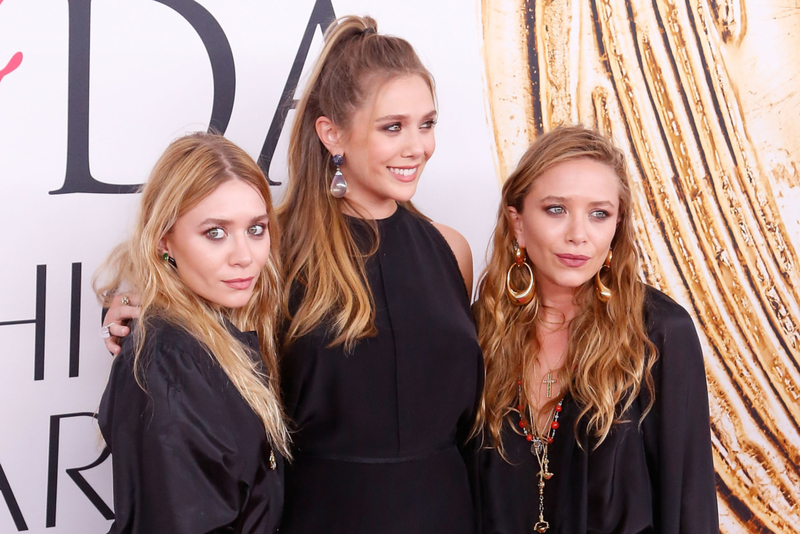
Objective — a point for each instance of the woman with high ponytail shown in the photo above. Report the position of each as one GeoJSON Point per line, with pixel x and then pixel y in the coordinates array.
{"type": "Point", "coordinates": [595, 411]}
{"type": "Point", "coordinates": [381, 366]}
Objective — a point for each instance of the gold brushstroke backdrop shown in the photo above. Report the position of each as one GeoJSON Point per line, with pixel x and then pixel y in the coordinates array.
{"type": "Point", "coordinates": [704, 96]}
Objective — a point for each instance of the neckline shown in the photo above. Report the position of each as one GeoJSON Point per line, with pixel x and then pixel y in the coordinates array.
{"type": "Point", "coordinates": [380, 222]}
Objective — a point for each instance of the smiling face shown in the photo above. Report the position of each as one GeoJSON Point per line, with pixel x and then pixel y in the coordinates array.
{"type": "Point", "coordinates": [387, 145]}
{"type": "Point", "coordinates": [221, 245]}
{"type": "Point", "coordinates": [568, 221]}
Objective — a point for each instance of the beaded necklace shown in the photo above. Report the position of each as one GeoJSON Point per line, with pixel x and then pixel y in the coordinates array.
{"type": "Point", "coordinates": [539, 442]}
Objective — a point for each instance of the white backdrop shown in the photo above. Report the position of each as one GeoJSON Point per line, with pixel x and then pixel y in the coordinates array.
{"type": "Point", "coordinates": [150, 80]}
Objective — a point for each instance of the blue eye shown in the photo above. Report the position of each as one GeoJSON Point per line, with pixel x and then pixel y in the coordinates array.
{"type": "Point", "coordinates": [257, 230]}
{"type": "Point", "coordinates": [600, 214]}
{"type": "Point", "coordinates": [555, 210]}
{"type": "Point", "coordinates": [215, 233]}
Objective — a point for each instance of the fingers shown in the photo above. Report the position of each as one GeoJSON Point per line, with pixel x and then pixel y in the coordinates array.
{"type": "Point", "coordinates": [129, 312]}
{"type": "Point", "coordinates": [115, 333]}
{"type": "Point", "coordinates": [112, 344]}
{"type": "Point", "coordinates": [124, 307]}
{"type": "Point", "coordinates": [117, 330]}
{"type": "Point", "coordinates": [128, 299]}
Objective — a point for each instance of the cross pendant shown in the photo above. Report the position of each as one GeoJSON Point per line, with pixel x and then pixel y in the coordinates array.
{"type": "Point", "coordinates": [549, 381]}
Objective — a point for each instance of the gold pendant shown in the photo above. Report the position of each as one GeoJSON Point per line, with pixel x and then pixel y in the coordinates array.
{"type": "Point", "coordinates": [273, 464]}
{"type": "Point", "coordinates": [541, 526]}
{"type": "Point", "coordinates": [549, 381]}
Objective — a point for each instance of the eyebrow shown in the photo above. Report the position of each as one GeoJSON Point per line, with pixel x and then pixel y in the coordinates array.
{"type": "Point", "coordinates": [228, 222]}
{"type": "Point", "coordinates": [400, 117]}
{"type": "Point", "coordinates": [562, 200]}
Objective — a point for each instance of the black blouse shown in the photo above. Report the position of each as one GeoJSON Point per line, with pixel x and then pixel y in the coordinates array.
{"type": "Point", "coordinates": [189, 455]}
{"type": "Point", "coordinates": [657, 478]}
{"type": "Point", "coordinates": [378, 430]}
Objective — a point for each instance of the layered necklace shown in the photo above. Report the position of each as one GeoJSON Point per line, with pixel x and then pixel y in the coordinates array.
{"type": "Point", "coordinates": [539, 442]}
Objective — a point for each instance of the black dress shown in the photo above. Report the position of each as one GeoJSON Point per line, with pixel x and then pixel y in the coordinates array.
{"type": "Point", "coordinates": [657, 479]}
{"type": "Point", "coordinates": [378, 431]}
{"type": "Point", "coordinates": [189, 455]}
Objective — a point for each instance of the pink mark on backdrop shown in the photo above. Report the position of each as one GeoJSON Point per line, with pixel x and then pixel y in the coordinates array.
{"type": "Point", "coordinates": [12, 65]}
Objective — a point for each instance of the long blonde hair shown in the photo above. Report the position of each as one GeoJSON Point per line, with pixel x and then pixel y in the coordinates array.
{"type": "Point", "coordinates": [190, 169]}
{"type": "Point", "coordinates": [319, 251]}
{"type": "Point", "coordinates": [609, 356]}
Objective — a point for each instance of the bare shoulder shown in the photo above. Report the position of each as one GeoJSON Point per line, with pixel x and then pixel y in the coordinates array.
{"type": "Point", "coordinates": [460, 247]}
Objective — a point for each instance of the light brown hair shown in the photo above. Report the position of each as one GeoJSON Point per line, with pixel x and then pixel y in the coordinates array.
{"type": "Point", "coordinates": [318, 250]}
{"type": "Point", "coordinates": [191, 168]}
{"type": "Point", "coordinates": [609, 356]}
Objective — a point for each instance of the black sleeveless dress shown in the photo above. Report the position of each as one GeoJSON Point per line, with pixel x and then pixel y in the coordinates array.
{"type": "Point", "coordinates": [379, 431]}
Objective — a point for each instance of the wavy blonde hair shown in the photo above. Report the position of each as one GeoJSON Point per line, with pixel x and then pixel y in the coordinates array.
{"type": "Point", "coordinates": [190, 169]}
{"type": "Point", "coordinates": [609, 356]}
{"type": "Point", "coordinates": [319, 251]}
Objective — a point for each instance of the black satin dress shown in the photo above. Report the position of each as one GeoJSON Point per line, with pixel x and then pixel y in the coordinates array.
{"type": "Point", "coordinates": [189, 455]}
{"type": "Point", "coordinates": [378, 430]}
{"type": "Point", "coordinates": [659, 478]}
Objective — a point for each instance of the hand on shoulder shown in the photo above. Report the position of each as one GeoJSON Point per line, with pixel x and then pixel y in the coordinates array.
{"type": "Point", "coordinates": [123, 308]}
{"type": "Point", "coordinates": [460, 247]}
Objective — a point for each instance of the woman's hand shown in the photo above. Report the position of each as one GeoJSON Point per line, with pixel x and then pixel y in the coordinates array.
{"type": "Point", "coordinates": [123, 308]}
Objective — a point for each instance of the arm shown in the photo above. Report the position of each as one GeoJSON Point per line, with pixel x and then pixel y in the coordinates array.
{"type": "Point", "coordinates": [174, 460]}
{"type": "Point", "coordinates": [677, 432]}
{"type": "Point", "coordinates": [460, 247]}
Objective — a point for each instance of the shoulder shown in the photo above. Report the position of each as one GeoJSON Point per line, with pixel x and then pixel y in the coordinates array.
{"type": "Point", "coordinates": [458, 243]}
{"type": "Point", "coordinates": [671, 329]}
{"type": "Point", "coordinates": [663, 314]}
{"type": "Point", "coordinates": [461, 250]}
{"type": "Point", "coordinates": [169, 354]}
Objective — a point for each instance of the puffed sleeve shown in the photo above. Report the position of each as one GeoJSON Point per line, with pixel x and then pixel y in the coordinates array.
{"type": "Point", "coordinates": [677, 433]}
{"type": "Point", "coordinates": [174, 458]}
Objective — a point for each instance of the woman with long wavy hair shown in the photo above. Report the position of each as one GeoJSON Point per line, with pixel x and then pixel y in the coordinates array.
{"type": "Point", "coordinates": [191, 412]}
{"type": "Point", "coordinates": [595, 409]}
{"type": "Point", "coordinates": [381, 368]}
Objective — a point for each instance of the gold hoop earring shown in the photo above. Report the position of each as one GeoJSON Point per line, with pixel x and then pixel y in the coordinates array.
{"type": "Point", "coordinates": [519, 298]}
{"type": "Point", "coordinates": [603, 293]}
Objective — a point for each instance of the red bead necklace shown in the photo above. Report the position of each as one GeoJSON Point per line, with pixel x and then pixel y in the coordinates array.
{"type": "Point", "coordinates": [539, 442]}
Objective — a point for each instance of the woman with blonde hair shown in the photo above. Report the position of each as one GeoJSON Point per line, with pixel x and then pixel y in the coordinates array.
{"type": "Point", "coordinates": [191, 412]}
{"type": "Point", "coordinates": [381, 368]}
{"type": "Point", "coordinates": [595, 411]}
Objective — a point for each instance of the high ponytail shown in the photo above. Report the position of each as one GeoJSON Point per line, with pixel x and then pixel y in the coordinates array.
{"type": "Point", "coordinates": [318, 250]}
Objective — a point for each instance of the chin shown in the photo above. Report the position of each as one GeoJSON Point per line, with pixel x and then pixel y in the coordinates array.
{"type": "Point", "coordinates": [404, 192]}
{"type": "Point", "coordinates": [572, 282]}
{"type": "Point", "coordinates": [233, 302]}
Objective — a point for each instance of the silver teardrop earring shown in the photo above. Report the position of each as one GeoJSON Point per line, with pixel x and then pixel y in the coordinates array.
{"type": "Point", "coordinates": [338, 184]}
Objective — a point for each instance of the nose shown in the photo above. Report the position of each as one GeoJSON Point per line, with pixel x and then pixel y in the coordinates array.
{"type": "Point", "coordinates": [415, 143]}
{"type": "Point", "coordinates": [241, 254]}
{"type": "Point", "coordinates": [576, 231]}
